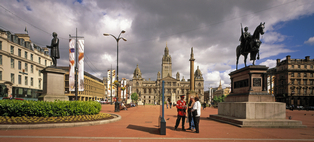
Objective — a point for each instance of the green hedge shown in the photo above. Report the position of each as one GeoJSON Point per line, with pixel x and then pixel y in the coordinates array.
{"type": "Point", "coordinates": [48, 109]}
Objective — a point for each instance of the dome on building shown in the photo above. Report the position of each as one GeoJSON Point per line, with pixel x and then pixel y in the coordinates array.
{"type": "Point", "coordinates": [137, 72]}
{"type": "Point", "coordinates": [198, 74]}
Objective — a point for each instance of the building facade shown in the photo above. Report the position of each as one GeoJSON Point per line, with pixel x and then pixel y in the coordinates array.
{"type": "Point", "coordinates": [21, 62]}
{"type": "Point", "coordinates": [149, 91]}
{"type": "Point", "coordinates": [94, 88]}
{"type": "Point", "coordinates": [294, 81]}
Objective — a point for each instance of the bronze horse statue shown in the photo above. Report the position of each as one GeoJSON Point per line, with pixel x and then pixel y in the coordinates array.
{"type": "Point", "coordinates": [254, 44]}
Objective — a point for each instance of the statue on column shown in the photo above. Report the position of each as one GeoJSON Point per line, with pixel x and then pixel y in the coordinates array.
{"type": "Point", "coordinates": [54, 49]}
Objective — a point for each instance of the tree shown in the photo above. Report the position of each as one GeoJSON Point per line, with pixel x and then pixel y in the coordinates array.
{"type": "Point", "coordinates": [217, 100]}
{"type": "Point", "coordinates": [134, 97]}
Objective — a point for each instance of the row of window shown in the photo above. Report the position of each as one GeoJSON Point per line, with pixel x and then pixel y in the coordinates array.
{"type": "Point", "coordinates": [20, 66]}
{"type": "Point", "coordinates": [305, 82]}
{"type": "Point", "coordinates": [305, 66]}
{"type": "Point", "coordinates": [25, 80]}
{"type": "Point", "coordinates": [305, 91]}
{"type": "Point", "coordinates": [26, 55]}
{"type": "Point", "coordinates": [304, 74]}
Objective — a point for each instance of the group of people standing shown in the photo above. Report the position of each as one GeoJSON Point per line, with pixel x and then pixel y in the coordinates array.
{"type": "Point", "coordinates": [194, 113]}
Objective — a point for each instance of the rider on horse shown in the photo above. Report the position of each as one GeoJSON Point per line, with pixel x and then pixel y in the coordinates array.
{"type": "Point", "coordinates": [245, 40]}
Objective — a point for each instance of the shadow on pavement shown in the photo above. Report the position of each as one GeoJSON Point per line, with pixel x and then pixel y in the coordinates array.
{"type": "Point", "coordinates": [144, 129]}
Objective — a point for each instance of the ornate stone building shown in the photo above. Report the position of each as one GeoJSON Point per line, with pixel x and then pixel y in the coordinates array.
{"type": "Point", "coordinates": [20, 64]}
{"type": "Point", "coordinates": [150, 90]}
{"type": "Point", "coordinates": [294, 81]}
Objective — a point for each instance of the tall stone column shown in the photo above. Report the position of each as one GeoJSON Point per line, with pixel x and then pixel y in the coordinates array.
{"type": "Point", "coordinates": [192, 84]}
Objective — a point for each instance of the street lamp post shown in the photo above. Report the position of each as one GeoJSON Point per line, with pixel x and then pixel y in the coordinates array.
{"type": "Point", "coordinates": [117, 39]}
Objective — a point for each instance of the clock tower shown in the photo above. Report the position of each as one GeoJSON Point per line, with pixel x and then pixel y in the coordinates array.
{"type": "Point", "coordinates": [166, 65]}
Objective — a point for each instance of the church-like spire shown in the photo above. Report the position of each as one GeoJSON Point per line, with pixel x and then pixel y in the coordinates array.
{"type": "Point", "coordinates": [166, 50]}
{"type": "Point", "coordinates": [220, 87]}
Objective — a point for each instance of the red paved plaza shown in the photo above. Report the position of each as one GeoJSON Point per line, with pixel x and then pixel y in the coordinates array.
{"type": "Point", "coordinates": [141, 124]}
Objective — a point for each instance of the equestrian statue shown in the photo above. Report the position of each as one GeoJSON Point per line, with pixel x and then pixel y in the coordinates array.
{"type": "Point", "coordinates": [250, 43]}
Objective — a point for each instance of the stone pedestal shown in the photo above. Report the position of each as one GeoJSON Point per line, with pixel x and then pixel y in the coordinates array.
{"type": "Point", "coordinates": [139, 103]}
{"type": "Point", "coordinates": [249, 104]}
{"type": "Point", "coordinates": [53, 85]}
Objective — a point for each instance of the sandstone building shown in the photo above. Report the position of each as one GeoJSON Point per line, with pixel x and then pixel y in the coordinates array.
{"type": "Point", "coordinates": [20, 64]}
{"type": "Point", "coordinates": [294, 81]}
{"type": "Point", "coordinates": [150, 90]}
{"type": "Point", "coordinates": [93, 87]}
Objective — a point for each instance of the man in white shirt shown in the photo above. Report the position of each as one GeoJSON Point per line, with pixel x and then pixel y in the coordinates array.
{"type": "Point", "coordinates": [196, 111]}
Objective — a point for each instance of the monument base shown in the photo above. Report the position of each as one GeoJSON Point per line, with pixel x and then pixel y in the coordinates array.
{"type": "Point", "coordinates": [128, 101]}
{"type": "Point", "coordinates": [139, 103]}
{"type": "Point", "coordinates": [250, 105]}
{"type": "Point", "coordinates": [53, 84]}
{"type": "Point", "coordinates": [253, 110]}
{"type": "Point", "coordinates": [51, 98]}
{"type": "Point", "coordinates": [258, 123]}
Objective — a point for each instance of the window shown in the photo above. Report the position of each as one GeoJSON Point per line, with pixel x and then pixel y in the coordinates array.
{"type": "Point", "coordinates": [311, 74]}
{"type": "Point", "coordinates": [20, 79]}
{"type": "Point", "coordinates": [292, 81]}
{"type": "Point", "coordinates": [19, 52]}
{"type": "Point", "coordinates": [0, 45]}
{"type": "Point", "coordinates": [32, 81]}
{"type": "Point", "coordinates": [19, 65]}
{"type": "Point", "coordinates": [305, 74]}
{"type": "Point", "coordinates": [299, 74]}
{"type": "Point", "coordinates": [45, 62]}
{"type": "Point", "coordinates": [39, 60]}
{"type": "Point", "coordinates": [50, 63]}
{"type": "Point", "coordinates": [26, 67]}
{"type": "Point", "coordinates": [304, 91]}
{"type": "Point", "coordinates": [12, 63]}
{"type": "Point", "coordinates": [32, 57]}
{"type": "Point", "coordinates": [311, 66]}
{"type": "Point", "coordinates": [174, 91]}
{"type": "Point", "coordinates": [25, 55]}
{"type": "Point", "coordinates": [26, 80]}
{"type": "Point", "coordinates": [292, 66]}
{"type": "Point", "coordinates": [299, 66]}
{"type": "Point", "coordinates": [305, 66]}
{"type": "Point", "coordinates": [292, 74]}
{"type": "Point", "coordinates": [32, 69]}
{"type": "Point", "coordinates": [12, 49]}
{"type": "Point", "coordinates": [0, 75]}
{"type": "Point", "coordinates": [298, 90]}
{"type": "Point", "coordinates": [39, 84]}
{"type": "Point", "coordinates": [12, 77]}
{"type": "Point", "coordinates": [0, 59]}
{"type": "Point", "coordinates": [299, 82]}
{"type": "Point", "coordinates": [39, 74]}
{"type": "Point", "coordinates": [304, 81]}
{"type": "Point", "coordinates": [311, 90]}
{"type": "Point", "coordinates": [311, 82]}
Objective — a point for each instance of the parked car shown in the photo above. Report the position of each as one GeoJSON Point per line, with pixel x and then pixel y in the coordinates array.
{"type": "Point", "coordinates": [7, 98]}
{"type": "Point", "coordinates": [103, 102]}
{"type": "Point", "coordinates": [300, 107]}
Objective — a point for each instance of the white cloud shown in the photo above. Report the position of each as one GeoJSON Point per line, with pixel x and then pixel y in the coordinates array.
{"type": "Point", "coordinates": [211, 27]}
{"type": "Point", "coordinates": [273, 37]}
{"type": "Point", "coordinates": [310, 41]}
{"type": "Point", "coordinates": [269, 63]}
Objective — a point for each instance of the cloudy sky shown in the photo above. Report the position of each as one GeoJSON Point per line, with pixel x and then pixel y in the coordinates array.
{"type": "Point", "coordinates": [212, 27]}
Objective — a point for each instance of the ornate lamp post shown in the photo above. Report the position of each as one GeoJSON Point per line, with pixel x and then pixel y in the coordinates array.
{"type": "Point", "coordinates": [117, 39]}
